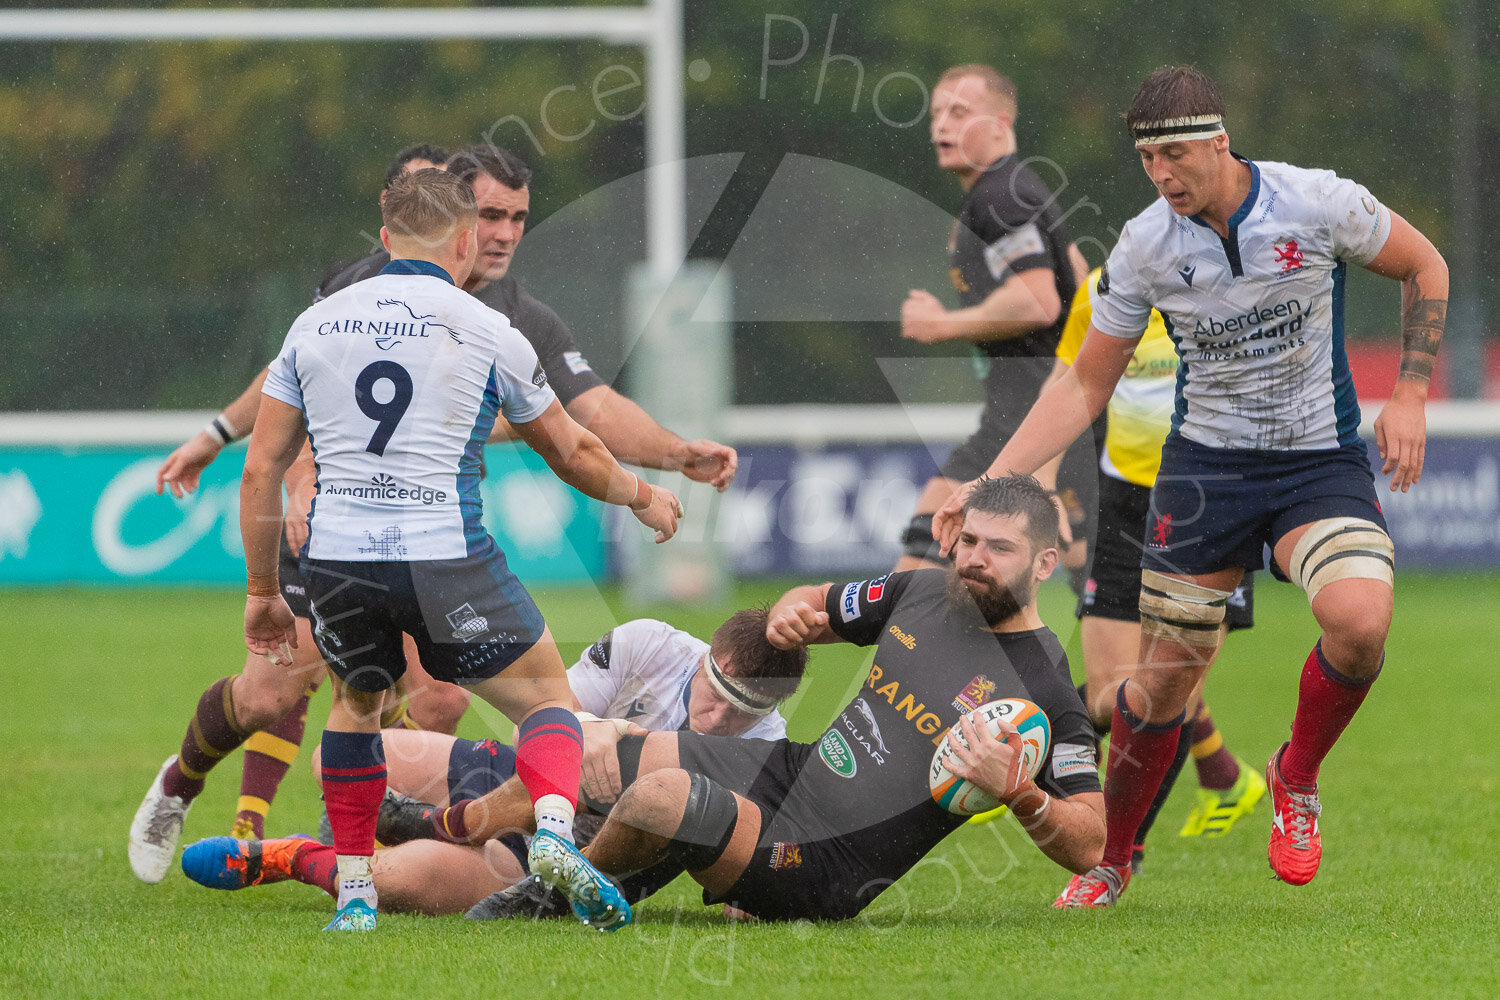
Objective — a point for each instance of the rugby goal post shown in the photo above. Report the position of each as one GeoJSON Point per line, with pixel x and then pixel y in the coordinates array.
{"type": "Point", "coordinates": [656, 27]}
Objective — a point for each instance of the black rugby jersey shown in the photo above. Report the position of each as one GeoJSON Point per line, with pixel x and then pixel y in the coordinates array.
{"type": "Point", "coordinates": [865, 786]}
{"type": "Point", "coordinates": [1010, 222]}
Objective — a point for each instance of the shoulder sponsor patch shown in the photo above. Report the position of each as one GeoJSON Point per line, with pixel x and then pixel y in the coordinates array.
{"type": "Point", "coordinates": [1004, 252]}
{"type": "Point", "coordinates": [576, 362]}
{"type": "Point", "coordinates": [1073, 758]}
{"type": "Point", "coordinates": [849, 603]}
{"type": "Point", "coordinates": [539, 377]}
{"type": "Point", "coordinates": [598, 653]}
{"type": "Point", "coordinates": [875, 590]}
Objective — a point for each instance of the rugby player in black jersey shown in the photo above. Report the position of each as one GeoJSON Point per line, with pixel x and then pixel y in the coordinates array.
{"type": "Point", "coordinates": [786, 830]}
{"type": "Point", "coordinates": [1015, 271]}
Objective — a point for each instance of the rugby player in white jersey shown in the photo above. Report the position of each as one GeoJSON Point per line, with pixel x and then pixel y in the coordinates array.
{"type": "Point", "coordinates": [397, 382]}
{"type": "Point", "coordinates": [1246, 262]}
{"type": "Point", "coordinates": [641, 675]}
{"type": "Point", "coordinates": [235, 709]}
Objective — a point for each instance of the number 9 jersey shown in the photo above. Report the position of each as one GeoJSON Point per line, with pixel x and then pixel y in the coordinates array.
{"type": "Point", "coordinates": [400, 379]}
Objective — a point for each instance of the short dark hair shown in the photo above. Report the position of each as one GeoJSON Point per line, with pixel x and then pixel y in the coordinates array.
{"type": "Point", "coordinates": [764, 669]}
{"type": "Point", "coordinates": [994, 81]}
{"type": "Point", "coordinates": [1012, 495]}
{"type": "Point", "coordinates": [499, 164]}
{"type": "Point", "coordinates": [422, 151]}
{"type": "Point", "coordinates": [1174, 92]}
{"type": "Point", "coordinates": [427, 205]}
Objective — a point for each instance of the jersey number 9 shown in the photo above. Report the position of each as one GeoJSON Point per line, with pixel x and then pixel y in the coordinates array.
{"type": "Point", "coordinates": [388, 414]}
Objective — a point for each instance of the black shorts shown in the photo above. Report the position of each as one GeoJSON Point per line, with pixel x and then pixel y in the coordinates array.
{"type": "Point", "coordinates": [763, 771]}
{"type": "Point", "coordinates": [289, 572]}
{"type": "Point", "coordinates": [1218, 508]}
{"type": "Point", "coordinates": [469, 617]}
{"type": "Point", "coordinates": [786, 879]}
{"type": "Point", "coordinates": [1113, 589]}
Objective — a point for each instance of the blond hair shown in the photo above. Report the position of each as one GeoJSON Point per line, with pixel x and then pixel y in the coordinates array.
{"type": "Point", "coordinates": [427, 205]}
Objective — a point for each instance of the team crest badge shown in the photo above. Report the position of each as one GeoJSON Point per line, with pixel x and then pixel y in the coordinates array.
{"type": "Point", "coordinates": [974, 694]}
{"type": "Point", "coordinates": [1161, 532]}
{"type": "Point", "coordinates": [1288, 255]}
{"type": "Point", "coordinates": [785, 855]}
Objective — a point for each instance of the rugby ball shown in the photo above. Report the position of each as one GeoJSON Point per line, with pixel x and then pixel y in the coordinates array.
{"type": "Point", "coordinates": [964, 798]}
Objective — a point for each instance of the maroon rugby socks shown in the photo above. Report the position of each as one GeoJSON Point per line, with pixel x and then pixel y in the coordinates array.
{"type": "Point", "coordinates": [212, 735]}
{"type": "Point", "coordinates": [1140, 754]}
{"type": "Point", "coordinates": [1326, 701]}
{"type": "Point", "coordinates": [1217, 768]}
{"type": "Point", "coordinates": [268, 756]}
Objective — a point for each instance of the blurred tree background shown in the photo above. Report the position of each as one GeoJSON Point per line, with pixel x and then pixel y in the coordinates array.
{"type": "Point", "coordinates": [169, 207]}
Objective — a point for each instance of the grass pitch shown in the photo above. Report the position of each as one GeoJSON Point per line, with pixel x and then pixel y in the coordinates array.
{"type": "Point", "coordinates": [101, 684]}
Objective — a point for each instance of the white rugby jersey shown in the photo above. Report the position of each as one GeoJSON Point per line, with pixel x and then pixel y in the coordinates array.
{"type": "Point", "coordinates": [641, 671]}
{"type": "Point", "coordinates": [400, 378]}
{"type": "Point", "coordinates": [1258, 317]}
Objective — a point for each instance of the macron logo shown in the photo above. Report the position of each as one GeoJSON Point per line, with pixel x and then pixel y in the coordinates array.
{"type": "Point", "coordinates": [1187, 274]}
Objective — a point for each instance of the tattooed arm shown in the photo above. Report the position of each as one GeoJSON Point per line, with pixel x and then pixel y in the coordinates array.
{"type": "Point", "coordinates": [1401, 428]}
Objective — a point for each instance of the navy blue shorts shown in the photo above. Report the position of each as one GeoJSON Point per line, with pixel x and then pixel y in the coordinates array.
{"type": "Point", "coordinates": [469, 617]}
{"type": "Point", "coordinates": [1113, 589]}
{"type": "Point", "coordinates": [1221, 508]}
{"type": "Point", "coordinates": [475, 769]}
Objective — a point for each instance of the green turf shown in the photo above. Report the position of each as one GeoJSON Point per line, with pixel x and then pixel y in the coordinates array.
{"type": "Point", "coordinates": [101, 684]}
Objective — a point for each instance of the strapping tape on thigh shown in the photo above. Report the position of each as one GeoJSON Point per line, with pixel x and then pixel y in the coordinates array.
{"type": "Point", "coordinates": [1341, 548]}
{"type": "Point", "coordinates": [1181, 611]}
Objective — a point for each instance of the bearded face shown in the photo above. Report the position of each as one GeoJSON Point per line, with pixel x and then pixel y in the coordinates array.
{"type": "Point", "coordinates": [996, 600]}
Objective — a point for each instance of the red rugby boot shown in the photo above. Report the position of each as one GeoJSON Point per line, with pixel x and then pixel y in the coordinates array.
{"type": "Point", "coordinates": [1096, 888]}
{"type": "Point", "coordinates": [1296, 845]}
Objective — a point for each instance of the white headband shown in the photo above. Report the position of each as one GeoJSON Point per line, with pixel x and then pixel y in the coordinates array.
{"type": "Point", "coordinates": [741, 698]}
{"type": "Point", "coordinates": [1177, 130]}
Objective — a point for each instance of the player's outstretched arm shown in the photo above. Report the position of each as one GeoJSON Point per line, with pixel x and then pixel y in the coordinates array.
{"type": "Point", "coordinates": [1063, 411]}
{"type": "Point", "coordinates": [1023, 302]}
{"type": "Point", "coordinates": [798, 618]}
{"type": "Point", "coordinates": [270, 629]}
{"type": "Point", "coordinates": [631, 435]}
{"type": "Point", "coordinates": [1069, 831]}
{"type": "Point", "coordinates": [1401, 429]}
{"type": "Point", "coordinates": [580, 459]}
{"type": "Point", "coordinates": [185, 465]}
